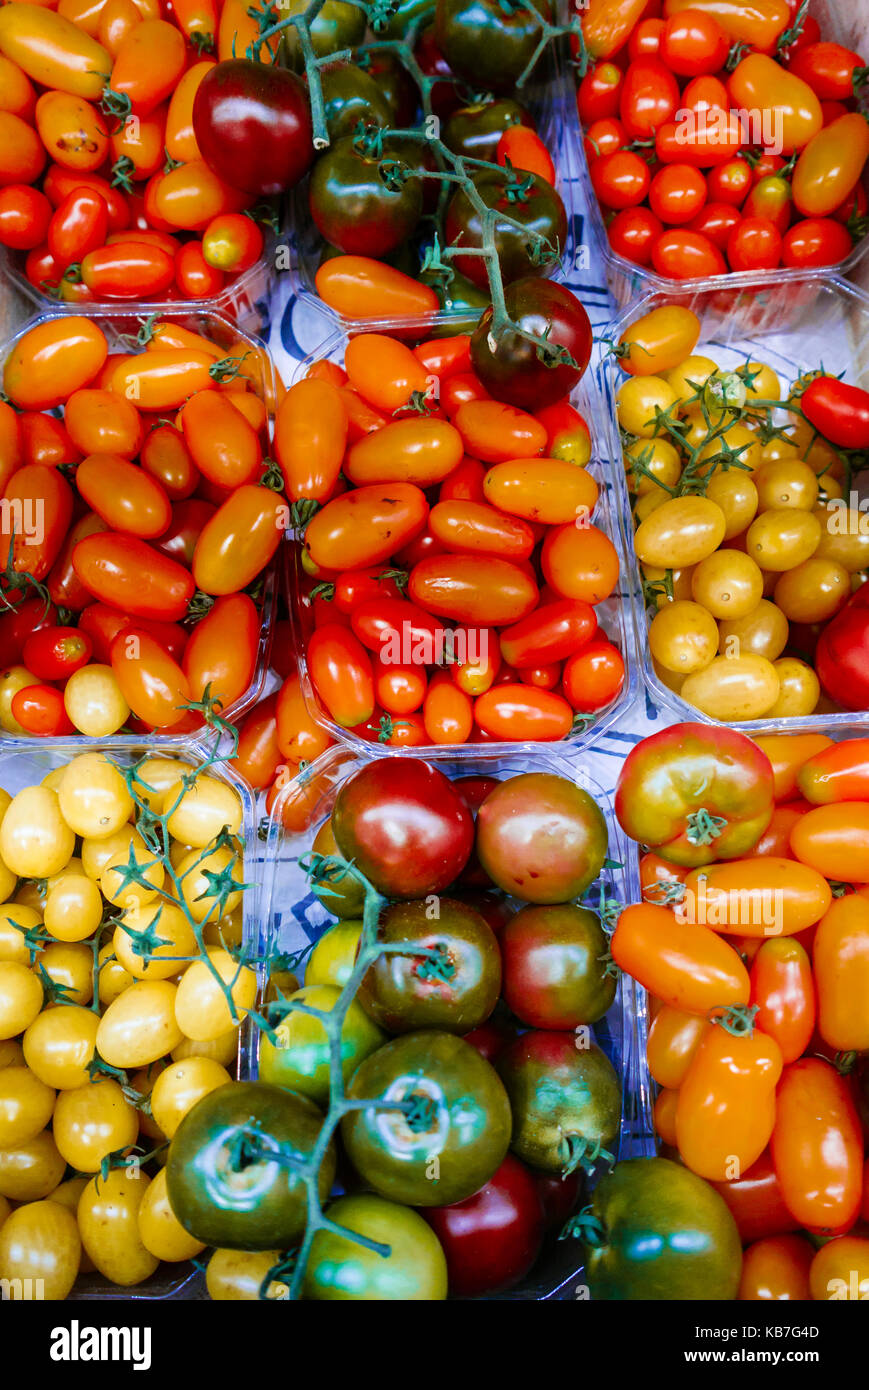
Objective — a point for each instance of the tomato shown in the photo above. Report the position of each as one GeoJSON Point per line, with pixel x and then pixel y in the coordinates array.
{"type": "Point", "coordinates": [756, 1202]}
{"type": "Point", "coordinates": [758, 896]}
{"type": "Point", "coordinates": [593, 677]}
{"type": "Point", "coordinates": [523, 149]}
{"type": "Point", "coordinates": [476, 527]}
{"type": "Point", "coordinates": [54, 52]}
{"type": "Point", "coordinates": [830, 165]}
{"type": "Point", "coordinates": [552, 632]}
{"type": "Point", "coordinates": [43, 499]}
{"type": "Point", "coordinates": [239, 540]}
{"type": "Point", "coordinates": [551, 491]}
{"type": "Point", "coordinates": [474, 589]}
{"type": "Point", "coordinates": [674, 1038]}
{"type": "Point", "coordinates": [840, 411]}
{"type": "Point", "coordinates": [394, 1157]}
{"type": "Point", "coordinates": [53, 653]}
{"type": "Point", "coordinates": [729, 182]}
{"type": "Point", "coordinates": [565, 1100]}
{"type": "Point", "coordinates": [40, 1242]}
{"type": "Point", "coordinates": [580, 562]}
{"type": "Point", "coordinates": [633, 232]}
{"type": "Point", "coordinates": [222, 444]}
{"type": "Point", "coordinates": [828, 68]}
{"type": "Point", "coordinates": [365, 526]}
{"type": "Point", "coordinates": [685, 965]}
{"type": "Point", "coordinates": [310, 438]}
{"type": "Point", "coordinates": [770, 198]}
{"type": "Point", "coordinates": [362, 288]}
{"type": "Point", "coordinates": [776, 1267]}
{"type": "Point", "coordinates": [686, 255]}
{"type": "Point", "coordinates": [816, 241]}
{"type": "Point", "coordinates": [128, 500]}
{"type": "Point", "coordinates": [754, 244]}
{"type": "Point", "coordinates": [659, 341]}
{"type": "Point", "coordinates": [269, 146]}
{"type": "Point", "coordinates": [649, 96]}
{"type": "Point", "coordinates": [491, 1239]}
{"type": "Point", "coordinates": [693, 43]}
{"type": "Point", "coordinates": [129, 574]}
{"type": "Point", "coordinates": [677, 193]}
{"type": "Point", "coordinates": [539, 837]}
{"type": "Point", "coordinates": [784, 992]}
{"type": "Point", "coordinates": [98, 422]}
{"type": "Point", "coordinates": [195, 278]}
{"type": "Point", "coordinates": [599, 92]}
{"type": "Point", "coordinates": [448, 713]}
{"type": "Point", "coordinates": [620, 179]}
{"type": "Point", "coordinates": [511, 368]}
{"type": "Point", "coordinates": [341, 1269]}
{"type": "Point", "coordinates": [817, 1146]}
{"type": "Point", "coordinates": [726, 1108]}
{"type": "Point", "coordinates": [758, 24]}
{"type": "Point", "coordinates": [693, 1248]}
{"type": "Point", "coordinates": [153, 685]}
{"type": "Point", "coordinates": [25, 215]}
{"type": "Point", "coordinates": [840, 1270]}
{"type": "Point", "coordinates": [788, 753]}
{"type": "Point", "coordinates": [54, 359]}
{"type": "Point", "coordinates": [298, 1057]}
{"type": "Point", "coordinates": [553, 976]}
{"type": "Point", "coordinates": [59, 183]}
{"type": "Point", "coordinates": [129, 270]}
{"type": "Point", "coordinates": [495, 432]}
{"type": "Point", "coordinates": [831, 839]}
{"type": "Point", "coordinates": [841, 960]}
{"type": "Point", "coordinates": [341, 673]}
{"type": "Point", "coordinates": [419, 451]}
{"type": "Point", "coordinates": [258, 756]}
{"type": "Point", "coordinates": [734, 774]}
{"type": "Point", "coordinates": [760, 84]}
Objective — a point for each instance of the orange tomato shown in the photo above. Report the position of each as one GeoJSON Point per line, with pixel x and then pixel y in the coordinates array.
{"type": "Point", "coordinates": [788, 753]}
{"type": "Point", "coordinates": [191, 195]}
{"type": "Point", "coordinates": [22, 156]}
{"type": "Point", "coordinates": [841, 962]}
{"type": "Point", "coordinates": [726, 1109]}
{"type": "Point", "coordinates": [834, 840]}
{"type": "Point", "coordinates": [840, 1270]}
{"type": "Point", "coordinates": [126, 497]}
{"type": "Point", "coordinates": [830, 165]}
{"type": "Point", "coordinates": [686, 966]}
{"type": "Point", "coordinates": [310, 438]}
{"type": "Point", "coordinates": [365, 526]}
{"type": "Point", "coordinates": [166, 457]}
{"type": "Point", "coordinates": [72, 131]}
{"type": "Point", "coordinates": [550, 491]}
{"type": "Point", "coordinates": [237, 543]}
{"type": "Point", "coordinates": [222, 650]}
{"type": "Point", "coordinates": [481, 529]}
{"type": "Point", "coordinates": [524, 149]}
{"type": "Point", "coordinates": [783, 990]}
{"type": "Point", "coordinates": [223, 446]}
{"type": "Point", "coordinates": [674, 1038]}
{"type": "Point", "coordinates": [300, 738]}
{"type": "Point", "coordinates": [666, 1104]}
{"type": "Point", "coordinates": [238, 29]}
{"type": "Point", "coordinates": [421, 451]}
{"type": "Point", "coordinates": [478, 589]}
{"type": "Point", "coordinates": [776, 1268]}
{"type": "Point", "coordinates": [180, 136]}
{"type": "Point", "coordinates": [495, 432]}
{"type": "Point", "coordinates": [52, 51]}
{"type": "Point", "coordinates": [384, 371]}
{"type": "Point", "coordinates": [149, 63]}
{"type": "Point", "coordinates": [16, 91]}
{"type": "Point", "coordinates": [141, 144]}
{"type": "Point", "coordinates": [761, 896]}
{"type": "Point", "coordinates": [153, 685]}
{"type": "Point", "coordinates": [360, 288]}
{"type": "Point", "coordinates": [162, 379]}
{"type": "Point", "coordinates": [817, 1146]}
{"type": "Point", "coordinates": [99, 422]}
{"type": "Point", "coordinates": [447, 712]}
{"type": "Point", "coordinates": [580, 562]}
{"type": "Point", "coordinates": [117, 18]}
{"type": "Point", "coordinates": [52, 360]}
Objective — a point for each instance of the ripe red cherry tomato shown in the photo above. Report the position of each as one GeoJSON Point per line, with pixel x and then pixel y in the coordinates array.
{"type": "Point", "coordinates": [592, 678]}
{"type": "Point", "coordinates": [684, 255]}
{"type": "Point", "coordinates": [25, 214]}
{"type": "Point", "coordinates": [40, 710]}
{"type": "Point", "coordinates": [677, 193]}
{"type": "Point", "coordinates": [816, 241]}
{"type": "Point", "coordinates": [693, 43]}
{"type": "Point", "coordinates": [79, 225]}
{"type": "Point", "coordinates": [54, 653]}
{"type": "Point", "coordinates": [754, 244]}
{"type": "Point", "coordinates": [492, 1239]}
{"type": "Point", "coordinates": [633, 233]}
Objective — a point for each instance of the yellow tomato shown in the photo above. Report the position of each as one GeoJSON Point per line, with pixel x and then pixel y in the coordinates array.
{"type": "Point", "coordinates": [73, 908]}
{"type": "Point", "coordinates": [226, 931]}
{"type": "Point", "coordinates": [799, 689]}
{"type": "Point", "coordinates": [21, 995]}
{"type": "Point", "coordinates": [308, 1072]}
{"type": "Point", "coordinates": [40, 1241]}
{"type": "Point", "coordinates": [657, 457]}
{"type": "Point", "coordinates": [92, 1122]}
{"type": "Point", "coordinates": [154, 778]}
{"type": "Point", "coordinates": [844, 536]}
{"type": "Point", "coordinates": [139, 1026]}
{"type": "Point", "coordinates": [764, 385]}
{"type": "Point", "coordinates": [781, 539]}
{"type": "Point", "coordinates": [108, 1219]}
{"type": "Point", "coordinates": [26, 1104]}
{"type": "Point", "coordinates": [728, 584]}
{"type": "Point", "coordinates": [31, 1170]}
{"type": "Point", "coordinates": [813, 591]}
{"type": "Point", "coordinates": [201, 1007]}
{"type": "Point", "coordinates": [180, 1086]}
{"type": "Point", "coordinates": [736, 495]}
{"type": "Point", "coordinates": [93, 700]}
{"type": "Point", "coordinates": [136, 947]}
{"type": "Point", "coordinates": [196, 888]}
{"type": "Point", "coordinates": [11, 1053]}
{"type": "Point", "coordinates": [160, 1231]}
{"type": "Point", "coordinates": [117, 885]}
{"type": "Point", "coordinates": [114, 979]}
{"type": "Point", "coordinates": [59, 1045]}
{"type": "Point", "coordinates": [223, 1049]}
{"type": "Point", "coordinates": [237, 1275]}
{"type": "Point", "coordinates": [686, 377]}
{"type": "Point", "coordinates": [71, 966]}
{"type": "Point", "coordinates": [8, 880]}
{"type": "Point", "coordinates": [763, 632]}
{"type": "Point", "coordinates": [659, 341]}
{"type": "Point", "coordinates": [332, 959]}
{"type": "Point", "coordinates": [680, 581]}
{"type": "Point", "coordinates": [683, 637]}
{"type": "Point", "coordinates": [785, 483]}
{"type": "Point", "coordinates": [93, 796]}
{"type": "Point", "coordinates": [681, 532]}
{"type": "Point", "coordinates": [35, 840]}
{"type": "Point", "coordinates": [638, 401]}
{"type": "Point", "coordinates": [16, 920]}
{"type": "Point", "coordinates": [202, 811]}
{"type": "Point", "coordinates": [96, 854]}
{"type": "Point", "coordinates": [143, 1082]}
{"type": "Point", "coordinates": [840, 1270]}
{"type": "Point", "coordinates": [734, 688]}
{"type": "Point", "coordinates": [738, 445]}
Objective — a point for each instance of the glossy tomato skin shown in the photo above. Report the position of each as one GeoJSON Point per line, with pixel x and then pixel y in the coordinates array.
{"type": "Point", "coordinates": [492, 1239]}
{"type": "Point", "coordinates": [456, 992]}
{"type": "Point", "coordinates": [538, 208]}
{"type": "Point", "coordinates": [511, 370]}
{"type": "Point", "coordinates": [405, 825]}
{"type": "Point", "coordinates": [541, 838]}
{"type": "Point", "coordinates": [395, 1156]}
{"type": "Point", "coordinates": [817, 1146]}
{"type": "Point", "coordinates": [352, 206]}
{"type": "Point", "coordinates": [756, 1202]}
{"type": "Point", "coordinates": [485, 44]}
{"type": "Point", "coordinates": [565, 1100]}
{"type": "Point", "coordinates": [239, 540]}
{"type": "Point", "coordinates": [654, 1202]}
{"type": "Point", "coordinates": [129, 574]}
{"type": "Point", "coordinates": [253, 126]}
{"type": "Point", "coordinates": [553, 973]}
{"type": "Point", "coordinates": [216, 1201]}
{"type": "Point", "coordinates": [222, 651]}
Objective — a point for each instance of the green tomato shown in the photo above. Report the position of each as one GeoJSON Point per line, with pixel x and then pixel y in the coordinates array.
{"type": "Point", "coordinates": [332, 959]}
{"type": "Point", "coordinates": [224, 1181]}
{"type": "Point", "coordinates": [339, 1269]}
{"type": "Point", "coordinates": [341, 893]}
{"type": "Point", "coordinates": [337, 26]}
{"type": "Point", "coordinates": [456, 989]}
{"type": "Point", "coordinates": [660, 1232]}
{"type": "Point", "coordinates": [299, 1060]}
{"type": "Point", "coordinates": [451, 1133]}
{"type": "Point", "coordinates": [566, 1099]}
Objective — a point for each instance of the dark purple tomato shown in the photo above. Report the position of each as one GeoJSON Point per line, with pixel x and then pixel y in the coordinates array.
{"type": "Point", "coordinates": [353, 207]}
{"type": "Point", "coordinates": [541, 838]}
{"type": "Point", "coordinates": [513, 369]}
{"type": "Point", "coordinates": [252, 123]}
{"type": "Point", "coordinates": [491, 1038]}
{"type": "Point", "coordinates": [531, 249]}
{"type": "Point", "coordinates": [405, 826]}
{"type": "Point", "coordinates": [555, 975]}
{"type": "Point", "coordinates": [492, 1239]}
{"type": "Point", "coordinates": [454, 981]}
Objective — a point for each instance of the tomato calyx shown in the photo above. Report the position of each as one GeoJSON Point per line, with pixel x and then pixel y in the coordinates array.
{"type": "Point", "coordinates": [121, 172]}
{"type": "Point", "coordinates": [737, 1020]}
{"type": "Point", "coordinates": [226, 368]}
{"type": "Point", "coordinates": [585, 1226]}
{"type": "Point", "coordinates": [436, 964]}
{"type": "Point", "coordinates": [113, 103]}
{"type": "Point", "coordinates": [581, 1152]}
{"type": "Point", "coordinates": [703, 827]}
{"type": "Point", "coordinates": [388, 726]}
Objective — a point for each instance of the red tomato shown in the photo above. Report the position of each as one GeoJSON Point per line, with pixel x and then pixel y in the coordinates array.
{"type": "Point", "coordinates": [525, 150]}
{"type": "Point", "coordinates": [258, 757]}
{"type": "Point", "coordinates": [551, 632]}
{"type": "Point", "coordinates": [684, 255]}
{"type": "Point", "coordinates": [342, 675]}
{"type": "Point", "coordinates": [188, 521]}
{"type": "Point", "coordinates": [194, 276]}
{"type": "Point", "coordinates": [165, 456]}
{"type": "Point", "coordinates": [621, 179]}
{"type": "Point", "coordinates": [592, 678]}
{"type": "Point", "coordinates": [677, 193]}
{"type": "Point", "coordinates": [473, 589]}
{"type": "Point", "coordinates": [756, 1202]}
{"type": "Point", "coordinates": [817, 1146]}
{"type": "Point", "coordinates": [25, 214]}
{"type": "Point", "coordinates": [44, 440]}
{"type": "Point", "coordinates": [729, 182]}
{"type": "Point", "coordinates": [492, 1239]}
{"type": "Point", "coordinates": [784, 992]}
{"type": "Point", "coordinates": [694, 43]}
{"type": "Point", "coordinates": [649, 97]}
{"type": "Point", "coordinates": [715, 221]}
{"type": "Point", "coordinates": [599, 93]}
{"type": "Point", "coordinates": [754, 244]}
{"type": "Point", "coordinates": [80, 224]}
{"type": "Point", "coordinates": [816, 241]}
{"type": "Point", "coordinates": [520, 713]}
{"type": "Point", "coordinates": [128, 270]}
{"type": "Point", "coordinates": [39, 512]}
{"type": "Point", "coordinates": [300, 738]}
{"type": "Point", "coordinates": [40, 710]}
{"type": "Point", "coordinates": [604, 137]}
{"type": "Point", "coordinates": [127, 573]}
{"type": "Point", "coordinates": [53, 653]}
{"type": "Point", "coordinates": [495, 432]}
{"type": "Point", "coordinates": [633, 232]}
{"type": "Point", "coordinates": [385, 622]}
{"type": "Point", "coordinates": [776, 1268]}
{"type": "Point", "coordinates": [232, 243]}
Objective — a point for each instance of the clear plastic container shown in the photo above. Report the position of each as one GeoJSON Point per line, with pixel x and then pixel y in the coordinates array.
{"type": "Point", "coordinates": [293, 917]}
{"type": "Point", "coordinates": [244, 300]}
{"type": "Point", "coordinates": [612, 615]}
{"type": "Point", "coordinates": [794, 328]}
{"type": "Point", "coordinates": [840, 23]}
{"type": "Point", "coordinates": [121, 328]}
{"type": "Point", "coordinates": [549, 96]}
{"type": "Point", "coordinates": [25, 767]}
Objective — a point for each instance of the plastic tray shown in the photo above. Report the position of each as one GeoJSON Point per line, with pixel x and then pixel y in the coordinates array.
{"type": "Point", "coordinates": [612, 614]}
{"type": "Point", "coordinates": [293, 917]}
{"type": "Point", "coordinates": [245, 300]}
{"type": "Point", "coordinates": [116, 323]}
{"type": "Point", "coordinates": [793, 328]}
{"type": "Point", "coordinates": [840, 23]}
{"type": "Point", "coordinates": [26, 766]}
{"type": "Point", "coordinates": [550, 98]}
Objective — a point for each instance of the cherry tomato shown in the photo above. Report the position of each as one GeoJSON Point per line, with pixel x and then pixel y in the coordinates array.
{"type": "Point", "coordinates": [51, 361]}
{"type": "Point", "coordinates": [693, 43]}
{"type": "Point", "coordinates": [258, 756]}
{"type": "Point", "coordinates": [593, 678]}
{"type": "Point", "coordinates": [817, 1146]}
{"type": "Point", "coordinates": [491, 1239]}
{"type": "Point", "coordinates": [128, 270]}
{"type": "Point", "coordinates": [124, 495]}
{"type": "Point", "coordinates": [841, 961]}
{"type": "Point", "coordinates": [685, 255]}
{"type": "Point", "coordinates": [816, 241]}
{"type": "Point", "coordinates": [633, 232]}
{"type": "Point", "coordinates": [131, 575]}
{"type": "Point", "coordinates": [776, 1267]}
{"type": "Point", "coordinates": [239, 540]}
{"type": "Point", "coordinates": [342, 674]}
{"type": "Point", "coordinates": [221, 653]}
{"type": "Point", "coordinates": [148, 64]}
{"type": "Point", "coordinates": [830, 165]}
{"type": "Point", "coordinates": [687, 966]}
{"type": "Point", "coordinates": [53, 653]}
{"type": "Point", "coordinates": [366, 526]}
{"type": "Point", "coordinates": [754, 244]}
{"type": "Point", "coordinates": [649, 97]}
{"type": "Point", "coordinates": [756, 1202]}
{"type": "Point", "coordinates": [784, 992]}
{"type": "Point", "coordinates": [152, 683]}
{"type": "Point", "coordinates": [726, 1107]}
{"type": "Point", "coordinates": [25, 214]}
{"type": "Point", "coordinates": [223, 445]}
{"type": "Point", "coordinates": [194, 276]}
{"type": "Point", "coordinates": [39, 709]}
{"type": "Point", "coordinates": [361, 288]}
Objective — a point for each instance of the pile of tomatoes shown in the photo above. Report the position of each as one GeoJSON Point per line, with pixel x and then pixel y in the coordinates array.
{"type": "Point", "coordinates": [133, 507]}
{"type": "Point", "coordinates": [103, 188]}
{"type": "Point", "coordinates": [722, 137]}
{"type": "Point", "coordinates": [753, 941]}
{"type": "Point", "coordinates": [450, 530]}
{"type": "Point", "coordinates": [113, 1024]}
{"type": "Point", "coordinates": [752, 559]}
{"type": "Point", "coordinates": [457, 1027]}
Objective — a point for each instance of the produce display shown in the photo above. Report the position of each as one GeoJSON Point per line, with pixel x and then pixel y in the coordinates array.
{"type": "Point", "coordinates": [722, 137]}
{"type": "Point", "coordinates": [752, 939]}
{"type": "Point", "coordinates": [750, 538]}
{"type": "Point", "coordinates": [321, 977]}
{"type": "Point", "coordinates": [139, 523]}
